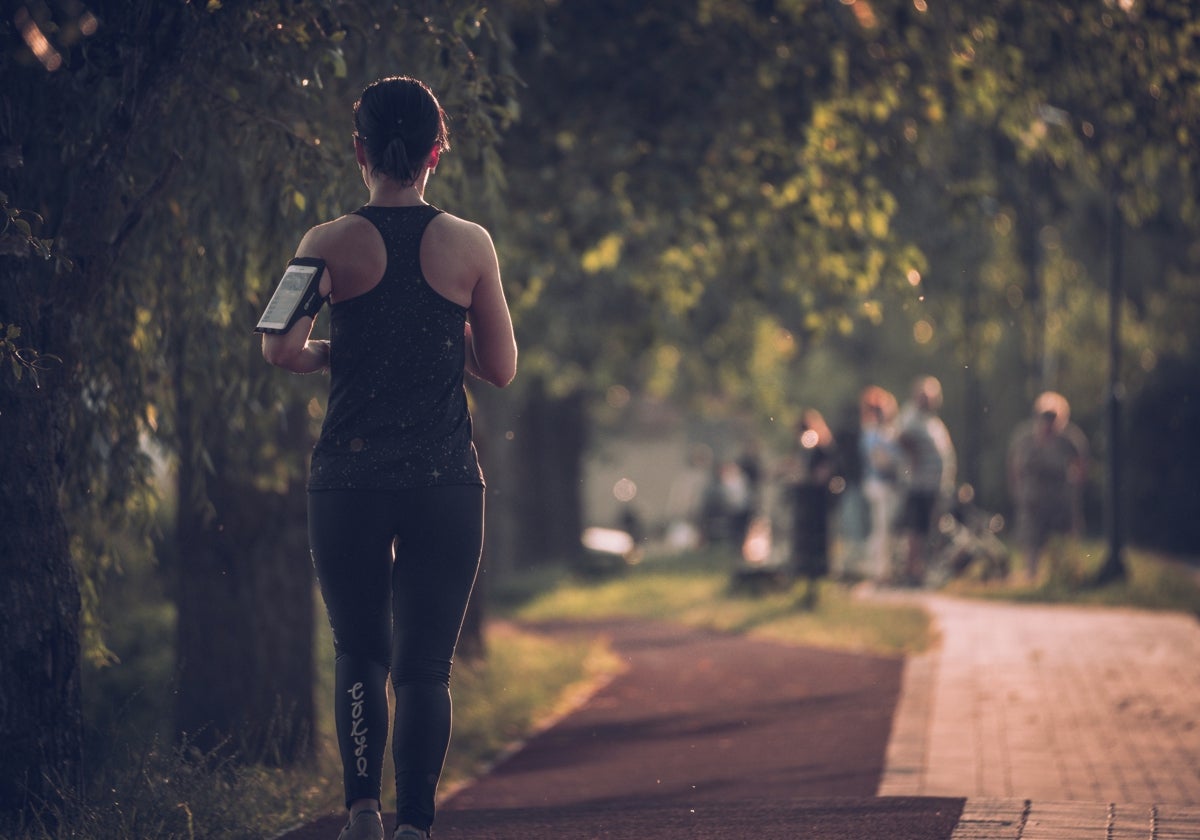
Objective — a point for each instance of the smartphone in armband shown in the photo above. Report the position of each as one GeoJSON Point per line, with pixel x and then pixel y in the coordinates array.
{"type": "Point", "coordinates": [298, 294]}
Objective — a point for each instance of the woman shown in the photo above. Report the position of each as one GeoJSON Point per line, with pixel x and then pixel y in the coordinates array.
{"type": "Point", "coordinates": [395, 502]}
{"type": "Point", "coordinates": [881, 469]}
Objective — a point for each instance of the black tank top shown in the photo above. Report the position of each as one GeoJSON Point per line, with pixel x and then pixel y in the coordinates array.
{"type": "Point", "coordinates": [397, 415]}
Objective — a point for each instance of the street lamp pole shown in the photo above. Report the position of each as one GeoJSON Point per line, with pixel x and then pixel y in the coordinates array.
{"type": "Point", "coordinates": [1114, 561]}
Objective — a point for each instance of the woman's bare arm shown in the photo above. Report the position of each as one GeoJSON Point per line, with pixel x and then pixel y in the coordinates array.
{"type": "Point", "coordinates": [296, 350]}
{"type": "Point", "coordinates": [491, 344]}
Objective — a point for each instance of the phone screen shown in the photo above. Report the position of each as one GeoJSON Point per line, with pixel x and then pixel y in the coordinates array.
{"type": "Point", "coordinates": [288, 295]}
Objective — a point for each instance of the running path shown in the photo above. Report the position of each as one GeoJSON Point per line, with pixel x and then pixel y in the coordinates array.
{"type": "Point", "coordinates": [1055, 722]}
{"type": "Point", "coordinates": [704, 736]}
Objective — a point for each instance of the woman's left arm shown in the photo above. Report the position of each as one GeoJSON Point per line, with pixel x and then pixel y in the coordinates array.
{"type": "Point", "coordinates": [296, 350]}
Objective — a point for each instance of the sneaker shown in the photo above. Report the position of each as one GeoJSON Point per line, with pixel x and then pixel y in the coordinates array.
{"type": "Point", "coordinates": [365, 825]}
{"type": "Point", "coordinates": [410, 832]}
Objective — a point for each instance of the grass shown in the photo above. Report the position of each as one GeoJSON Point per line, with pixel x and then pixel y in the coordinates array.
{"type": "Point", "coordinates": [174, 793]}
{"type": "Point", "coordinates": [1071, 570]}
{"type": "Point", "coordinates": [696, 590]}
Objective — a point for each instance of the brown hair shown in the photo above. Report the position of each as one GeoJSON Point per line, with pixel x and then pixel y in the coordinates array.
{"type": "Point", "coordinates": [399, 121]}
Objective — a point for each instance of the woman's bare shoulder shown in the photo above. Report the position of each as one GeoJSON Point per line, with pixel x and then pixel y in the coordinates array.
{"type": "Point", "coordinates": [337, 235]}
{"type": "Point", "coordinates": [461, 232]}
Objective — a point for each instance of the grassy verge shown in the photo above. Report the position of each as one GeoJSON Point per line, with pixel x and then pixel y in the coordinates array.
{"type": "Point", "coordinates": [696, 590]}
{"type": "Point", "coordinates": [1070, 573]}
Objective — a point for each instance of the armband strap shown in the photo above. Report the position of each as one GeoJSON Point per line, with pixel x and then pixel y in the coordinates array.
{"type": "Point", "coordinates": [312, 303]}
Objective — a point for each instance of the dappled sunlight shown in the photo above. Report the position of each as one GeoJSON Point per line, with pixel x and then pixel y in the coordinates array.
{"type": "Point", "coordinates": [36, 38]}
{"type": "Point", "coordinates": [36, 41]}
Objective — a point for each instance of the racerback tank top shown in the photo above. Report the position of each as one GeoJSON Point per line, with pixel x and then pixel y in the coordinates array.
{"type": "Point", "coordinates": [397, 415]}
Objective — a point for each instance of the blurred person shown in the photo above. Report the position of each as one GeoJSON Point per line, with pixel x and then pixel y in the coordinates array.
{"type": "Point", "coordinates": [737, 498]}
{"type": "Point", "coordinates": [714, 511]}
{"type": "Point", "coordinates": [395, 492]}
{"type": "Point", "coordinates": [1047, 466]}
{"type": "Point", "coordinates": [806, 475]}
{"type": "Point", "coordinates": [749, 460]}
{"type": "Point", "coordinates": [929, 470]}
{"type": "Point", "coordinates": [852, 513]}
{"type": "Point", "coordinates": [881, 462]}
{"type": "Point", "coordinates": [685, 499]}
{"type": "Point", "coordinates": [726, 504]}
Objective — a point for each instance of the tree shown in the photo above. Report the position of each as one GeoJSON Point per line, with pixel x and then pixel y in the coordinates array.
{"type": "Point", "coordinates": [48, 419]}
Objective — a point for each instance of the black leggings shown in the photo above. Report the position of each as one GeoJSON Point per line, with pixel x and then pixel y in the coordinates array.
{"type": "Point", "coordinates": [396, 569]}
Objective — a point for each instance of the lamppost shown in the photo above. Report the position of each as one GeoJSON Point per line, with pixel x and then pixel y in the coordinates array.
{"type": "Point", "coordinates": [1114, 560]}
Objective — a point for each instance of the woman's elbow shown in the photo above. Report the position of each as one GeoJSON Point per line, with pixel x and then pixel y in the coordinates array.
{"type": "Point", "coordinates": [501, 372]}
{"type": "Point", "coordinates": [500, 376]}
{"type": "Point", "coordinates": [276, 353]}
{"type": "Point", "coordinates": [497, 365]}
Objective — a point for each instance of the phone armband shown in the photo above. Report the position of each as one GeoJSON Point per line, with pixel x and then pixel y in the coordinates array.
{"type": "Point", "coordinates": [297, 295]}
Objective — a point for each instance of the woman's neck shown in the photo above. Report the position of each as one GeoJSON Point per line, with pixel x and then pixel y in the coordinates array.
{"type": "Point", "coordinates": [388, 193]}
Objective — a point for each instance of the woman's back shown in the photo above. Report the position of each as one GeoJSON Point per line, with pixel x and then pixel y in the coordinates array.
{"type": "Point", "coordinates": [397, 414]}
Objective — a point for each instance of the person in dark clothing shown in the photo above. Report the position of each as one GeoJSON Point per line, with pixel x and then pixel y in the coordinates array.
{"type": "Point", "coordinates": [806, 476]}
{"type": "Point", "coordinates": [1047, 468]}
{"type": "Point", "coordinates": [395, 493]}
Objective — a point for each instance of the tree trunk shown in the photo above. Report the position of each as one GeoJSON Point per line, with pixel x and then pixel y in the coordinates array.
{"type": "Point", "coordinates": [245, 618]}
{"type": "Point", "coordinates": [532, 453]}
{"type": "Point", "coordinates": [40, 700]}
{"type": "Point", "coordinates": [550, 441]}
{"type": "Point", "coordinates": [491, 415]}
{"type": "Point", "coordinates": [494, 414]}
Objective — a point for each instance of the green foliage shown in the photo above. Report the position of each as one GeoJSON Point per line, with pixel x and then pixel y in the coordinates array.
{"type": "Point", "coordinates": [16, 232]}
{"type": "Point", "coordinates": [22, 359]}
{"type": "Point", "coordinates": [753, 176]}
{"type": "Point", "coordinates": [721, 211]}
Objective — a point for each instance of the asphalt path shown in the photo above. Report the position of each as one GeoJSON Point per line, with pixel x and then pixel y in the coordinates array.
{"type": "Point", "coordinates": [704, 735]}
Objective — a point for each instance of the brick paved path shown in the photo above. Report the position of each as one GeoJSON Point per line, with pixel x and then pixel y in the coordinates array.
{"type": "Point", "coordinates": [1054, 721]}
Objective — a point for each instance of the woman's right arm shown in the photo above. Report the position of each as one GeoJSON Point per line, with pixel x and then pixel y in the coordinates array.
{"type": "Point", "coordinates": [490, 343]}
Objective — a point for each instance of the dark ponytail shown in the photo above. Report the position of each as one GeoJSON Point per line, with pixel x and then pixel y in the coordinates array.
{"type": "Point", "coordinates": [393, 160]}
{"type": "Point", "coordinates": [400, 122]}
